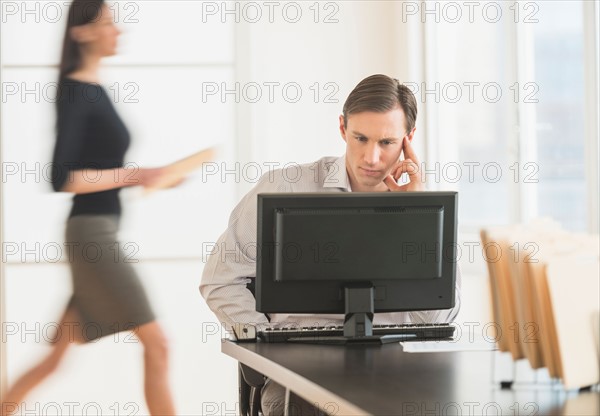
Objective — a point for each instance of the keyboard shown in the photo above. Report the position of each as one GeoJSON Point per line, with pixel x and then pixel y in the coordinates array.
{"type": "Point", "coordinates": [405, 332]}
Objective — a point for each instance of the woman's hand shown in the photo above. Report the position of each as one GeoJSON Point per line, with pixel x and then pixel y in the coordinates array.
{"type": "Point", "coordinates": [149, 177]}
{"type": "Point", "coordinates": [158, 178]}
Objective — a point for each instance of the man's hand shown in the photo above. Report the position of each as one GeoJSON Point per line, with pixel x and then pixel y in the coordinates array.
{"type": "Point", "coordinates": [409, 165]}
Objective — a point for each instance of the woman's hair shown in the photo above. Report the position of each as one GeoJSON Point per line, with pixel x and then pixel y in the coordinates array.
{"type": "Point", "coordinates": [379, 94]}
{"type": "Point", "coordinates": [81, 12]}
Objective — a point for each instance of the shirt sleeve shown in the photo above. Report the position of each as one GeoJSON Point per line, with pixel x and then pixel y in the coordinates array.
{"type": "Point", "coordinates": [232, 262]}
{"type": "Point", "coordinates": [71, 123]}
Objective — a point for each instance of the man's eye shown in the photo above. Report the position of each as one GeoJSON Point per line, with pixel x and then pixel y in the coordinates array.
{"type": "Point", "coordinates": [361, 139]}
{"type": "Point", "coordinates": [386, 142]}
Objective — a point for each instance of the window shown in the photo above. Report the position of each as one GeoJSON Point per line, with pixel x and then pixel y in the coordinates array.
{"type": "Point", "coordinates": [507, 100]}
{"type": "Point", "coordinates": [560, 139]}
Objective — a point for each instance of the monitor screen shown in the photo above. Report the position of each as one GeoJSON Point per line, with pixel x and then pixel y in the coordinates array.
{"type": "Point", "coordinates": [312, 246]}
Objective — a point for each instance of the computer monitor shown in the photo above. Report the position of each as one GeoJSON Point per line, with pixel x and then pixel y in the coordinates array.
{"type": "Point", "coordinates": [356, 254]}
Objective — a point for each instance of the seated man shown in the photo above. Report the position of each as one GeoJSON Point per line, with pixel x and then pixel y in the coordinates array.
{"type": "Point", "coordinates": [378, 125]}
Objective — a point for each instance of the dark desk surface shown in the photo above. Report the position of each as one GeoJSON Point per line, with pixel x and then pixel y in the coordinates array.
{"type": "Point", "coordinates": [384, 380]}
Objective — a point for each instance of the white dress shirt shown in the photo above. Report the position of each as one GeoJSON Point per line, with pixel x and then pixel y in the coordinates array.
{"type": "Point", "coordinates": [232, 263]}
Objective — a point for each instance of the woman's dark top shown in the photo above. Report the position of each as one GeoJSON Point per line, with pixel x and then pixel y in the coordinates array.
{"type": "Point", "coordinates": [90, 135]}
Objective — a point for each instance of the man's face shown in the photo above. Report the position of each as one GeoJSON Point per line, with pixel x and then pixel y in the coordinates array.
{"type": "Point", "coordinates": [373, 147]}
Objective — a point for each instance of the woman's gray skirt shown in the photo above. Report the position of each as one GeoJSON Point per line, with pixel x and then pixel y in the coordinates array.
{"type": "Point", "coordinates": [107, 292]}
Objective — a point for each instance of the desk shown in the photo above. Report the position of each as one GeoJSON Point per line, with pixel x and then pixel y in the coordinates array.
{"type": "Point", "coordinates": [384, 380]}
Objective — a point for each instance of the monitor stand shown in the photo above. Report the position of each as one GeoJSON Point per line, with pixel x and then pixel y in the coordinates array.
{"type": "Point", "coordinates": [358, 322]}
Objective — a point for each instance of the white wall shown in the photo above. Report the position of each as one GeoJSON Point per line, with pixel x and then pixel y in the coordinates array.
{"type": "Point", "coordinates": [155, 83]}
{"type": "Point", "coordinates": [325, 60]}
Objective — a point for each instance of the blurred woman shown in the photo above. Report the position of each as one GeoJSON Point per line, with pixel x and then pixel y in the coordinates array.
{"type": "Point", "coordinates": [88, 161]}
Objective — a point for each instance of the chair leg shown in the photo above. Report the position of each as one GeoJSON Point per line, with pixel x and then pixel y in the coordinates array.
{"type": "Point", "coordinates": [244, 394]}
{"type": "Point", "coordinates": [255, 401]}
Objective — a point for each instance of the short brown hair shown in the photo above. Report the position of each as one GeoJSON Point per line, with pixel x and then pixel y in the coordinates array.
{"type": "Point", "coordinates": [380, 93]}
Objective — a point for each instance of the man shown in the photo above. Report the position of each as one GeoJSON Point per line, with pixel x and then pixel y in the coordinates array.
{"type": "Point", "coordinates": [378, 126]}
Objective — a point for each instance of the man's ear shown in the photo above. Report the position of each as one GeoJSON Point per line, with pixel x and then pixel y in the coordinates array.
{"type": "Point", "coordinates": [82, 34]}
{"type": "Point", "coordinates": [342, 128]}
{"type": "Point", "coordinates": [411, 135]}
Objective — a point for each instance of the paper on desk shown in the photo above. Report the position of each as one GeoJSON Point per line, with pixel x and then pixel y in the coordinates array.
{"type": "Point", "coordinates": [465, 342]}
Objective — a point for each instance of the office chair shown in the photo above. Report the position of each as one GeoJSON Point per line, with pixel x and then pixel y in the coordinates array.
{"type": "Point", "coordinates": [250, 383]}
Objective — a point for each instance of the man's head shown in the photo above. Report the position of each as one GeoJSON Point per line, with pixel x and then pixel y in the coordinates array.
{"type": "Point", "coordinates": [377, 115]}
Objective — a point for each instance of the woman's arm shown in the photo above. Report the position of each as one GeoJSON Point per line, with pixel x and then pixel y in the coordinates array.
{"type": "Point", "coordinates": [86, 181]}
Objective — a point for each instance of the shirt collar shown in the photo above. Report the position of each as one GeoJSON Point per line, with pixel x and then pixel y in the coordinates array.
{"type": "Point", "coordinates": [338, 176]}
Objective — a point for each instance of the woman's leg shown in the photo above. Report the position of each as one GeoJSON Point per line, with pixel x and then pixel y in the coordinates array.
{"type": "Point", "coordinates": [156, 374]}
{"type": "Point", "coordinates": [64, 337]}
